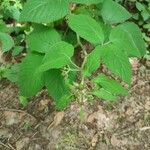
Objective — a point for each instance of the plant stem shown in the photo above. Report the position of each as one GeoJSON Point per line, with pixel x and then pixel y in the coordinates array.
{"type": "Point", "coordinates": [82, 67]}
{"type": "Point", "coordinates": [84, 60]}
{"type": "Point", "coordinates": [81, 45]}
{"type": "Point", "coordinates": [74, 70]}
{"type": "Point", "coordinates": [77, 67]}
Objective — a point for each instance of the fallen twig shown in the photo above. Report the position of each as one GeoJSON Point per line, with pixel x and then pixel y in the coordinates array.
{"type": "Point", "coordinates": [145, 128]}
{"type": "Point", "coordinates": [1, 143]}
{"type": "Point", "coordinates": [16, 110]}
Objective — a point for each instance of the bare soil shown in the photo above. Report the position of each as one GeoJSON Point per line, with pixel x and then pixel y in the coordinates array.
{"type": "Point", "coordinates": [124, 125]}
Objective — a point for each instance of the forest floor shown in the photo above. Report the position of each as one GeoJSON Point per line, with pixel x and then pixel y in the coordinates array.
{"type": "Point", "coordinates": [124, 125]}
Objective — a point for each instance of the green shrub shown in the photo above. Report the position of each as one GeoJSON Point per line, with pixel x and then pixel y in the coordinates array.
{"type": "Point", "coordinates": [60, 29]}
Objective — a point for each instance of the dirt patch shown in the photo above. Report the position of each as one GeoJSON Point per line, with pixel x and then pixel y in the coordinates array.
{"type": "Point", "coordinates": [124, 125]}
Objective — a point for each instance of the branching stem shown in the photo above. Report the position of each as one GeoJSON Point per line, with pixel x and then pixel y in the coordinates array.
{"type": "Point", "coordinates": [84, 60]}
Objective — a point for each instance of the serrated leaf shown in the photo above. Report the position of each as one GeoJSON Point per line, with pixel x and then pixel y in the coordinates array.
{"type": "Point", "coordinates": [87, 2]}
{"type": "Point", "coordinates": [23, 100]}
{"type": "Point", "coordinates": [30, 80]}
{"type": "Point", "coordinates": [122, 39]}
{"type": "Point", "coordinates": [12, 73]}
{"type": "Point", "coordinates": [128, 37]}
{"type": "Point", "coordinates": [55, 83]}
{"type": "Point", "coordinates": [14, 12]}
{"type": "Point", "coordinates": [6, 42]}
{"type": "Point", "coordinates": [139, 6]}
{"type": "Point", "coordinates": [117, 61]}
{"type": "Point", "coordinates": [87, 28]}
{"type": "Point", "coordinates": [112, 12]}
{"type": "Point", "coordinates": [44, 11]}
{"type": "Point", "coordinates": [102, 93]}
{"type": "Point", "coordinates": [93, 61]}
{"type": "Point", "coordinates": [106, 30]}
{"type": "Point", "coordinates": [57, 57]}
{"type": "Point", "coordinates": [42, 38]}
{"type": "Point", "coordinates": [110, 85]}
{"type": "Point", "coordinates": [63, 102]}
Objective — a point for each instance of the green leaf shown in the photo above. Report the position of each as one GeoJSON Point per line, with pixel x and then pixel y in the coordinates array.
{"type": "Point", "coordinates": [57, 57]}
{"type": "Point", "coordinates": [17, 50]}
{"type": "Point", "coordinates": [106, 30]}
{"type": "Point", "coordinates": [113, 13]}
{"type": "Point", "coordinates": [87, 2]}
{"type": "Point", "coordinates": [117, 61]}
{"type": "Point", "coordinates": [63, 102]}
{"type": "Point", "coordinates": [70, 37]}
{"type": "Point", "coordinates": [93, 61]}
{"type": "Point", "coordinates": [6, 42]}
{"type": "Point", "coordinates": [111, 86]}
{"type": "Point", "coordinates": [44, 11]}
{"type": "Point", "coordinates": [55, 84]}
{"type": "Point", "coordinates": [42, 38]}
{"type": "Point", "coordinates": [12, 73]}
{"type": "Point", "coordinates": [123, 39]}
{"type": "Point", "coordinates": [23, 100]}
{"type": "Point", "coordinates": [14, 12]}
{"type": "Point", "coordinates": [145, 14]}
{"type": "Point", "coordinates": [139, 6]}
{"type": "Point", "coordinates": [87, 28]}
{"type": "Point", "coordinates": [72, 75]}
{"type": "Point", "coordinates": [129, 37]}
{"type": "Point", "coordinates": [30, 80]}
{"type": "Point", "coordinates": [102, 93]}
{"type": "Point", "coordinates": [3, 27]}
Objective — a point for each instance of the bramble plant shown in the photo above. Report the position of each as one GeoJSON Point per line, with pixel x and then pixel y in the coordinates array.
{"type": "Point", "coordinates": [60, 28]}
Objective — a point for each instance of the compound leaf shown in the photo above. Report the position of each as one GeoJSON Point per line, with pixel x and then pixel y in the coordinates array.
{"type": "Point", "coordinates": [129, 37]}
{"type": "Point", "coordinates": [63, 102]}
{"type": "Point", "coordinates": [110, 85]}
{"type": "Point", "coordinates": [44, 11]}
{"type": "Point", "coordinates": [117, 61]}
{"type": "Point", "coordinates": [93, 61]}
{"type": "Point", "coordinates": [87, 28]}
{"type": "Point", "coordinates": [6, 42]}
{"type": "Point", "coordinates": [42, 38]}
{"type": "Point", "coordinates": [30, 80]}
{"type": "Point", "coordinates": [12, 73]}
{"type": "Point", "coordinates": [113, 13]}
{"type": "Point", "coordinates": [57, 57]}
{"type": "Point", "coordinates": [104, 94]}
{"type": "Point", "coordinates": [55, 84]}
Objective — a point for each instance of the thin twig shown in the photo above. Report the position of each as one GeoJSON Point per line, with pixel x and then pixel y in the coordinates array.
{"type": "Point", "coordinates": [11, 146]}
{"type": "Point", "coordinates": [145, 128]}
{"type": "Point", "coordinates": [1, 143]}
{"type": "Point", "coordinates": [81, 45]}
{"type": "Point", "coordinates": [85, 58]}
{"type": "Point", "coordinates": [16, 110]}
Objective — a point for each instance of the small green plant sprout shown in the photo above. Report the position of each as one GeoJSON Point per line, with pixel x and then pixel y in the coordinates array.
{"type": "Point", "coordinates": [59, 59]}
